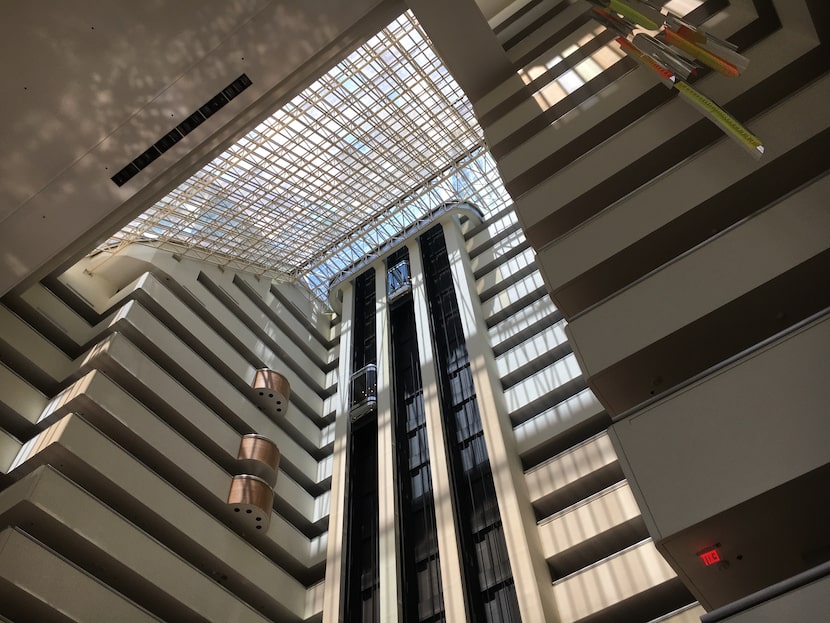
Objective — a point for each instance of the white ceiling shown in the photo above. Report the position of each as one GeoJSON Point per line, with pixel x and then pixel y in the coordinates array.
{"type": "Point", "coordinates": [88, 86]}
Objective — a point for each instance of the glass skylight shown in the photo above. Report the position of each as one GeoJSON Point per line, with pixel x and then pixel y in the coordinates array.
{"type": "Point", "coordinates": [363, 152]}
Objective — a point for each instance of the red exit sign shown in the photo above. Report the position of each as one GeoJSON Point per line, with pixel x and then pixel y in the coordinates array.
{"type": "Point", "coordinates": [709, 556]}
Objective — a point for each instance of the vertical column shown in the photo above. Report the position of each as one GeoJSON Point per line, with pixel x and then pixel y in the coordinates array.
{"type": "Point", "coordinates": [387, 521]}
{"type": "Point", "coordinates": [335, 563]}
{"type": "Point", "coordinates": [448, 543]}
{"type": "Point", "coordinates": [530, 572]}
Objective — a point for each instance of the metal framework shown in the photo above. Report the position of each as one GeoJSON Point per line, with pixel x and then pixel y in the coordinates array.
{"type": "Point", "coordinates": [358, 156]}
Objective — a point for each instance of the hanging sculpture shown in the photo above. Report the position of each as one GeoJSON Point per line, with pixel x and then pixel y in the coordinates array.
{"type": "Point", "coordinates": [675, 54]}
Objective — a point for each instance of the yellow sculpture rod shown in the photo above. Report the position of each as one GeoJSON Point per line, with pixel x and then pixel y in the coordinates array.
{"type": "Point", "coordinates": [645, 16]}
{"type": "Point", "coordinates": [730, 126]}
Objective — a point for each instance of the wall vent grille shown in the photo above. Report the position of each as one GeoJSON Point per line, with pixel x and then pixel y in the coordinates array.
{"type": "Point", "coordinates": [167, 141]}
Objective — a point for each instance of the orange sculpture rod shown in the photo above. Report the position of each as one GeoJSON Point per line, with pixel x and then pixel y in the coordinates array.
{"type": "Point", "coordinates": [702, 54]}
{"type": "Point", "coordinates": [629, 48]}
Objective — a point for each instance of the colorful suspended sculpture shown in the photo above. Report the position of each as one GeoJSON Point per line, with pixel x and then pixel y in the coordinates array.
{"type": "Point", "coordinates": [675, 53]}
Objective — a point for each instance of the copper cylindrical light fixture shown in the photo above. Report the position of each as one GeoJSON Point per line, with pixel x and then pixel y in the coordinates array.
{"type": "Point", "coordinates": [259, 456]}
{"type": "Point", "coordinates": [251, 499]}
{"type": "Point", "coordinates": [271, 392]}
